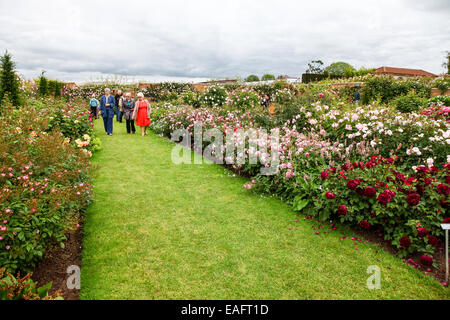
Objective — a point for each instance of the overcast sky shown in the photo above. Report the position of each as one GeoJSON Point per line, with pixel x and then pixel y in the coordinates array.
{"type": "Point", "coordinates": [83, 40]}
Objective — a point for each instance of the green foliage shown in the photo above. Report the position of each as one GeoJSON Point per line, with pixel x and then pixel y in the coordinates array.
{"type": "Point", "coordinates": [268, 77]}
{"type": "Point", "coordinates": [43, 85]}
{"type": "Point", "coordinates": [17, 288]}
{"type": "Point", "coordinates": [54, 88]}
{"type": "Point", "coordinates": [340, 69]}
{"type": "Point", "coordinates": [385, 89]}
{"type": "Point", "coordinates": [9, 82]}
{"type": "Point", "coordinates": [252, 78]}
{"type": "Point", "coordinates": [443, 84]}
{"type": "Point", "coordinates": [392, 212]}
{"type": "Point", "coordinates": [214, 96]}
{"type": "Point", "coordinates": [244, 99]}
{"type": "Point", "coordinates": [191, 98]}
{"type": "Point", "coordinates": [409, 103]}
{"type": "Point", "coordinates": [439, 100]}
{"type": "Point", "coordinates": [166, 91]}
{"type": "Point", "coordinates": [44, 178]}
{"type": "Point", "coordinates": [315, 67]}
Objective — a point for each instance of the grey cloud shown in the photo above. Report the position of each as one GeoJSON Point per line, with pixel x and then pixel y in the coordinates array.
{"type": "Point", "coordinates": [212, 39]}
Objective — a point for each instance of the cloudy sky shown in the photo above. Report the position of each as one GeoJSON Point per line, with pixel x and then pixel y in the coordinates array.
{"type": "Point", "coordinates": [178, 39]}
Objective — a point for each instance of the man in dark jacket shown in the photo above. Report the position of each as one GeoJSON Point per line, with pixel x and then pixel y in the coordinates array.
{"type": "Point", "coordinates": [357, 97]}
{"type": "Point", "coordinates": [119, 113]}
{"type": "Point", "coordinates": [107, 108]}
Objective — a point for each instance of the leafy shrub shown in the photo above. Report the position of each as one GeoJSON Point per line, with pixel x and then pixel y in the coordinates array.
{"type": "Point", "coordinates": [375, 195]}
{"type": "Point", "coordinates": [45, 185]}
{"type": "Point", "coordinates": [191, 98]}
{"type": "Point", "coordinates": [386, 88]}
{"type": "Point", "coordinates": [443, 84]}
{"type": "Point", "coordinates": [439, 100]}
{"type": "Point", "coordinates": [244, 99]}
{"type": "Point", "coordinates": [252, 78]}
{"type": "Point", "coordinates": [214, 96]}
{"type": "Point", "coordinates": [409, 103]}
{"type": "Point", "coordinates": [17, 288]}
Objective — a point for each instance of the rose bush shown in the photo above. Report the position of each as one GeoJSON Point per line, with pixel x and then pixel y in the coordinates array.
{"type": "Point", "coordinates": [44, 182]}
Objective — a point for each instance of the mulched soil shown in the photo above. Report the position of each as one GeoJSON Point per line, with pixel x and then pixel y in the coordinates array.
{"type": "Point", "coordinates": [54, 265]}
{"type": "Point", "coordinates": [414, 261]}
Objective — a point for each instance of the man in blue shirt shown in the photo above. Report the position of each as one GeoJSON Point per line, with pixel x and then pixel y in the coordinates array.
{"type": "Point", "coordinates": [107, 107]}
{"type": "Point", "coordinates": [357, 97]}
{"type": "Point", "coordinates": [94, 104]}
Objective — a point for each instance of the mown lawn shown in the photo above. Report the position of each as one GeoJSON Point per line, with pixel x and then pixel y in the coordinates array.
{"type": "Point", "coordinates": [162, 231]}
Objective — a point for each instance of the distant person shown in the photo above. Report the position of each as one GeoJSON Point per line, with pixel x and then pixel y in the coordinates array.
{"type": "Point", "coordinates": [119, 110]}
{"type": "Point", "coordinates": [266, 101]}
{"type": "Point", "coordinates": [141, 113]}
{"type": "Point", "coordinates": [107, 103]}
{"type": "Point", "coordinates": [357, 97]}
{"type": "Point", "coordinates": [128, 111]}
{"type": "Point", "coordinates": [94, 104]}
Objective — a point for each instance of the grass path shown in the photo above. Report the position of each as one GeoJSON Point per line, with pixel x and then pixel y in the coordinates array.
{"type": "Point", "coordinates": [162, 231]}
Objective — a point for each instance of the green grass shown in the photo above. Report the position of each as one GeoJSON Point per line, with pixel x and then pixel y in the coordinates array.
{"type": "Point", "coordinates": [162, 231]}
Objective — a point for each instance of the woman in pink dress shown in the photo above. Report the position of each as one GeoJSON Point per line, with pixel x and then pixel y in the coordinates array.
{"type": "Point", "coordinates": [141, 113]}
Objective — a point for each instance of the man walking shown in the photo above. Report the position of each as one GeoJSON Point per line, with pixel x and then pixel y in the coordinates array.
{"type": "Point", "coordinates": [119, 110]}
{"type": "Point", "coordinates": [357, 97]}
{"type": "Point", "coordinates": [107, 103]}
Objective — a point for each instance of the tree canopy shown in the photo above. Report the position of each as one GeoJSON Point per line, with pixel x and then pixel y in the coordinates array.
{"type": "Point", "coordinates": [9, 83]}
{"type": "Point", "coordinates": [267, 77]}
{"type": "Point", "coordinates": [252, 78]}
{"type": "Point", "coordinates": [340, 69]}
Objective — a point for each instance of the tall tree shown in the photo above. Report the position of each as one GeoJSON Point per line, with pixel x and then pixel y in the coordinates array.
{"type": "Point", "coordinates": [268, 77]}
{"type": "Point", "coordinates": [340, 69]}
{"type": "Point", "coordinates": [43, 85]}
{"type": "Point", "coordinates": [9, 83]}
{"type": "Point", "coordinates": [252, 78]}
{"type": "Point", "coordinates": [315, 67]}
{"type": "Point", "coordinates": [446, 63]}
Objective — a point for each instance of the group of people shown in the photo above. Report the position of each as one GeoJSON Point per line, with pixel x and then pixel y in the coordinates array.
{"type": "Point", "coordinates": [124, 106]}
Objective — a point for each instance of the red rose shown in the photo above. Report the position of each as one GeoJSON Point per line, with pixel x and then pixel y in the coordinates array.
{"type": "Point", "coordinates": [447, 179]}
{"type": "Point", "coordinates": [320, 95]}
{"type": "Point", "coordinates": [426, 260]}
{"type": "Point", "coordinates": [422, 232]}
{"type": "Point", "coordinates": [324, 175]}
{"type": "Point", "coordinates": [330, 195]}
{"type": "Point", "coordinates": [434, 241]}
{"type": "Point", "coordinates": [390, 192]}
{"type": "Point", "coordinates": [353, 184]}
{"type": "Point", "coordinates": [447, 220]}
{"type": "Point", "coordinates": [346, 166]}
{"type": "Point", "coordinates": [364, 225]}
{"type": "Point", "coordinates": [400, 177]}
{"type": "Point", "coordinates": [370, 192]}
{"type": "Point", "coordinates": [354, 165]}
{"type": "Point", "coordinates": [405, 242]}
{"type": "Point", "coordinates": [443, 189]}
{"type": "Point", "coordinates": [413, 199]}
{"type": "Point", "coordinates": [384, 198]}
{"type": "Point", "coordinates": [422, 169]}
{"type": "Point", "coordinates": [342, 210]}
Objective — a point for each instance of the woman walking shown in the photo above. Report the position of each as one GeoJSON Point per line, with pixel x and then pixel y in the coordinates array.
{"type": "Point", "coordinates": [141, 113]}
{"type": "Point", "coordinates": [128, 110]}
